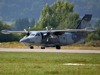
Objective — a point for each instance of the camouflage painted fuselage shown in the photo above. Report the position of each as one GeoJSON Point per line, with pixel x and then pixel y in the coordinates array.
{"type": "Point", "coordinates": [65, 39]}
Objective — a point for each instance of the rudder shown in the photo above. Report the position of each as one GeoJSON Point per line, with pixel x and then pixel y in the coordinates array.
{"type": "Point", "coordinates": [85, 21]}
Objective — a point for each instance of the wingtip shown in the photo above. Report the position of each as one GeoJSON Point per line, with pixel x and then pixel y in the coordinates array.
{"type": "Point", "coordinates": [5, 31]}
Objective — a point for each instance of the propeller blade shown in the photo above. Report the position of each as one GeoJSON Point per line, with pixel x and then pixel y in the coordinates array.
{"type": "Point", "coordinates": [47, 29]}
{"type": "Point", "coordinates": [29, 29]}
{"type": "Point", "coordinates": [50, 29]}
{"type": "Point", "coordinates": [49, 33]}
{"type": "Point", "coordinates": [25, 30]}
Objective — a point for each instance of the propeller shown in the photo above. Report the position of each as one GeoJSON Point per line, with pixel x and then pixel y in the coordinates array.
{"type": "Point", "coordinates": [27, 32]}
{"type": "Point", "coordinates": [48, 33]}
{"type": "Point", "coordinates": [47, 29]}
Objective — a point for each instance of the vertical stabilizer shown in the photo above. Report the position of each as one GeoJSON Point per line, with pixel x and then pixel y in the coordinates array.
{"type": "Point", "coordinates": [85, 21]}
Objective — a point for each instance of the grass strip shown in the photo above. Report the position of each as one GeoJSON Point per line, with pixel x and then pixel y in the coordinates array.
{"type": "Point", "coordinates": [21, 63]}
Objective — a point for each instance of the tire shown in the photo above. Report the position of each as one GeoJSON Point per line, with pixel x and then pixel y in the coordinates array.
{"type": "Point", "coordinates": [31, 47]}
{"type": "Point", "coordinates": [42, 47]}
{"type": "Point", "coordinates": [57, 47]}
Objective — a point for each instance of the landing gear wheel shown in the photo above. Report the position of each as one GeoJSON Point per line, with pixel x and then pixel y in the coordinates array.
{"type": "Point", "coordinates": [57, 47]}
{"type": "Point", "coordinates": [42, 47]}
{"type": "Point", "coordinates": [31, 47]}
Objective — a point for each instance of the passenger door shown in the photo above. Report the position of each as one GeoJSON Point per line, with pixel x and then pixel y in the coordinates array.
{"type": "Point", "coordinates": [38, 39]}
{"type": "Point", "coordinates": [63, 39]}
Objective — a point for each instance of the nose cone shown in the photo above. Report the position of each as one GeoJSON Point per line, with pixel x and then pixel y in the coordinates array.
{"type": "Point", "coordinates": [25, 40]}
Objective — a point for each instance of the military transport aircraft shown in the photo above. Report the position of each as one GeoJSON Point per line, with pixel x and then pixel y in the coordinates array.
{"type": "Point", "coordinates": [56, 38]}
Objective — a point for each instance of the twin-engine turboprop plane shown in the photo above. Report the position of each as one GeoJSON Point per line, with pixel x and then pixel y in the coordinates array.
{"type": "Point", "coordinates": [56, 38]}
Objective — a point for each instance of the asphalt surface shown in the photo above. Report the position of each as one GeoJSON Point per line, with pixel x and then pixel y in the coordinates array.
{"type": "Point", "coordinates": [48, 50]}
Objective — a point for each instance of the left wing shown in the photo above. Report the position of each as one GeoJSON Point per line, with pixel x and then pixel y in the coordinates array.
{"type": "Point", "coordinates": [55, 32]}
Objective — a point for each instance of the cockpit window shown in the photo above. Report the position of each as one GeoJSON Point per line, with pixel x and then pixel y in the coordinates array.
{"type": "Point", "coordinates": [37, 34]}
{"type": "Point", "coordinates": [32, 34]}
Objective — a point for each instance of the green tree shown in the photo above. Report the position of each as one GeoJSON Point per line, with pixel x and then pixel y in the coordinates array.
{"type": "Point", "coordinates": [7, 37]}
{"type": "Point", "coordinates": [36, 24]}
{"type": "Point", "coordinates": [3, 26]}
{"type": "Point", "coordinates": [97, 24]}
{"type": "Point", "coordinates": [67, 8]}
{"type": "Point", "coordinates": [46, 9]}
{"type": "Point", "coordinates": [70, 22]}
{"type": "Point", "coordinates": [55, 14]}
{"type": "Point", "coordinates": [32, 23]}
{"type": "Point", "coordinates": [93, 35]}
{"type": "Point", "coordinates": [22, 23]}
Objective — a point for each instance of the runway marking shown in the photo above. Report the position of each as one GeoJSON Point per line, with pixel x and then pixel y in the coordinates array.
{"type": "Point", "coordinates": [73, 64]}
{"type": "Point", "coordinates": [79, 64]}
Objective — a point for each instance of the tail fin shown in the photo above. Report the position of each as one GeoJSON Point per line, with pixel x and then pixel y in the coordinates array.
{"type": "Point", "coordinates": [85, 22]}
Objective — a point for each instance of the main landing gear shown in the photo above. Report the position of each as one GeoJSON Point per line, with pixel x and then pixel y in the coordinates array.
{"type": "Point", "coordinates": [42, 47]}
{"type": "Point", "coordinates": [57, 47]}
{"type": "Point", "coordinates": [31, 47]}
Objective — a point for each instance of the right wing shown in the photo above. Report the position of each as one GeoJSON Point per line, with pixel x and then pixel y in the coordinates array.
{"type": "Point", "coordinates": [9, 32]}
{"type": "Point", "coordinates": [60, 32]}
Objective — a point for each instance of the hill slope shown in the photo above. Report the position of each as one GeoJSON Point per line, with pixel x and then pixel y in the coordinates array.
{"type": "Point", "coordinates": [10, 10]}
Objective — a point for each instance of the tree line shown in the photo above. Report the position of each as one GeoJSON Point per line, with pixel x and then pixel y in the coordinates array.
{"type": "Point", "coordinates": [59, 15]}
{"type": "Point", "coordinates": [11, 10]}
{"type": "Point", "coordinates": [23, 23]}
{"type": "Point", "coordinates": [9, 37]}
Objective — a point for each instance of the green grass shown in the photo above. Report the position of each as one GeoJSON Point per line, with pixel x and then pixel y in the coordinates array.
{"type": "Point", "coordinates": [48, 63]}
{"type": "Point", "coordinates": [76, 46]}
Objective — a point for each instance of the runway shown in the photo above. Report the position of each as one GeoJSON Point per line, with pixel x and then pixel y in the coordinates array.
{"type": "Point", "coordinates": [48, 50]}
